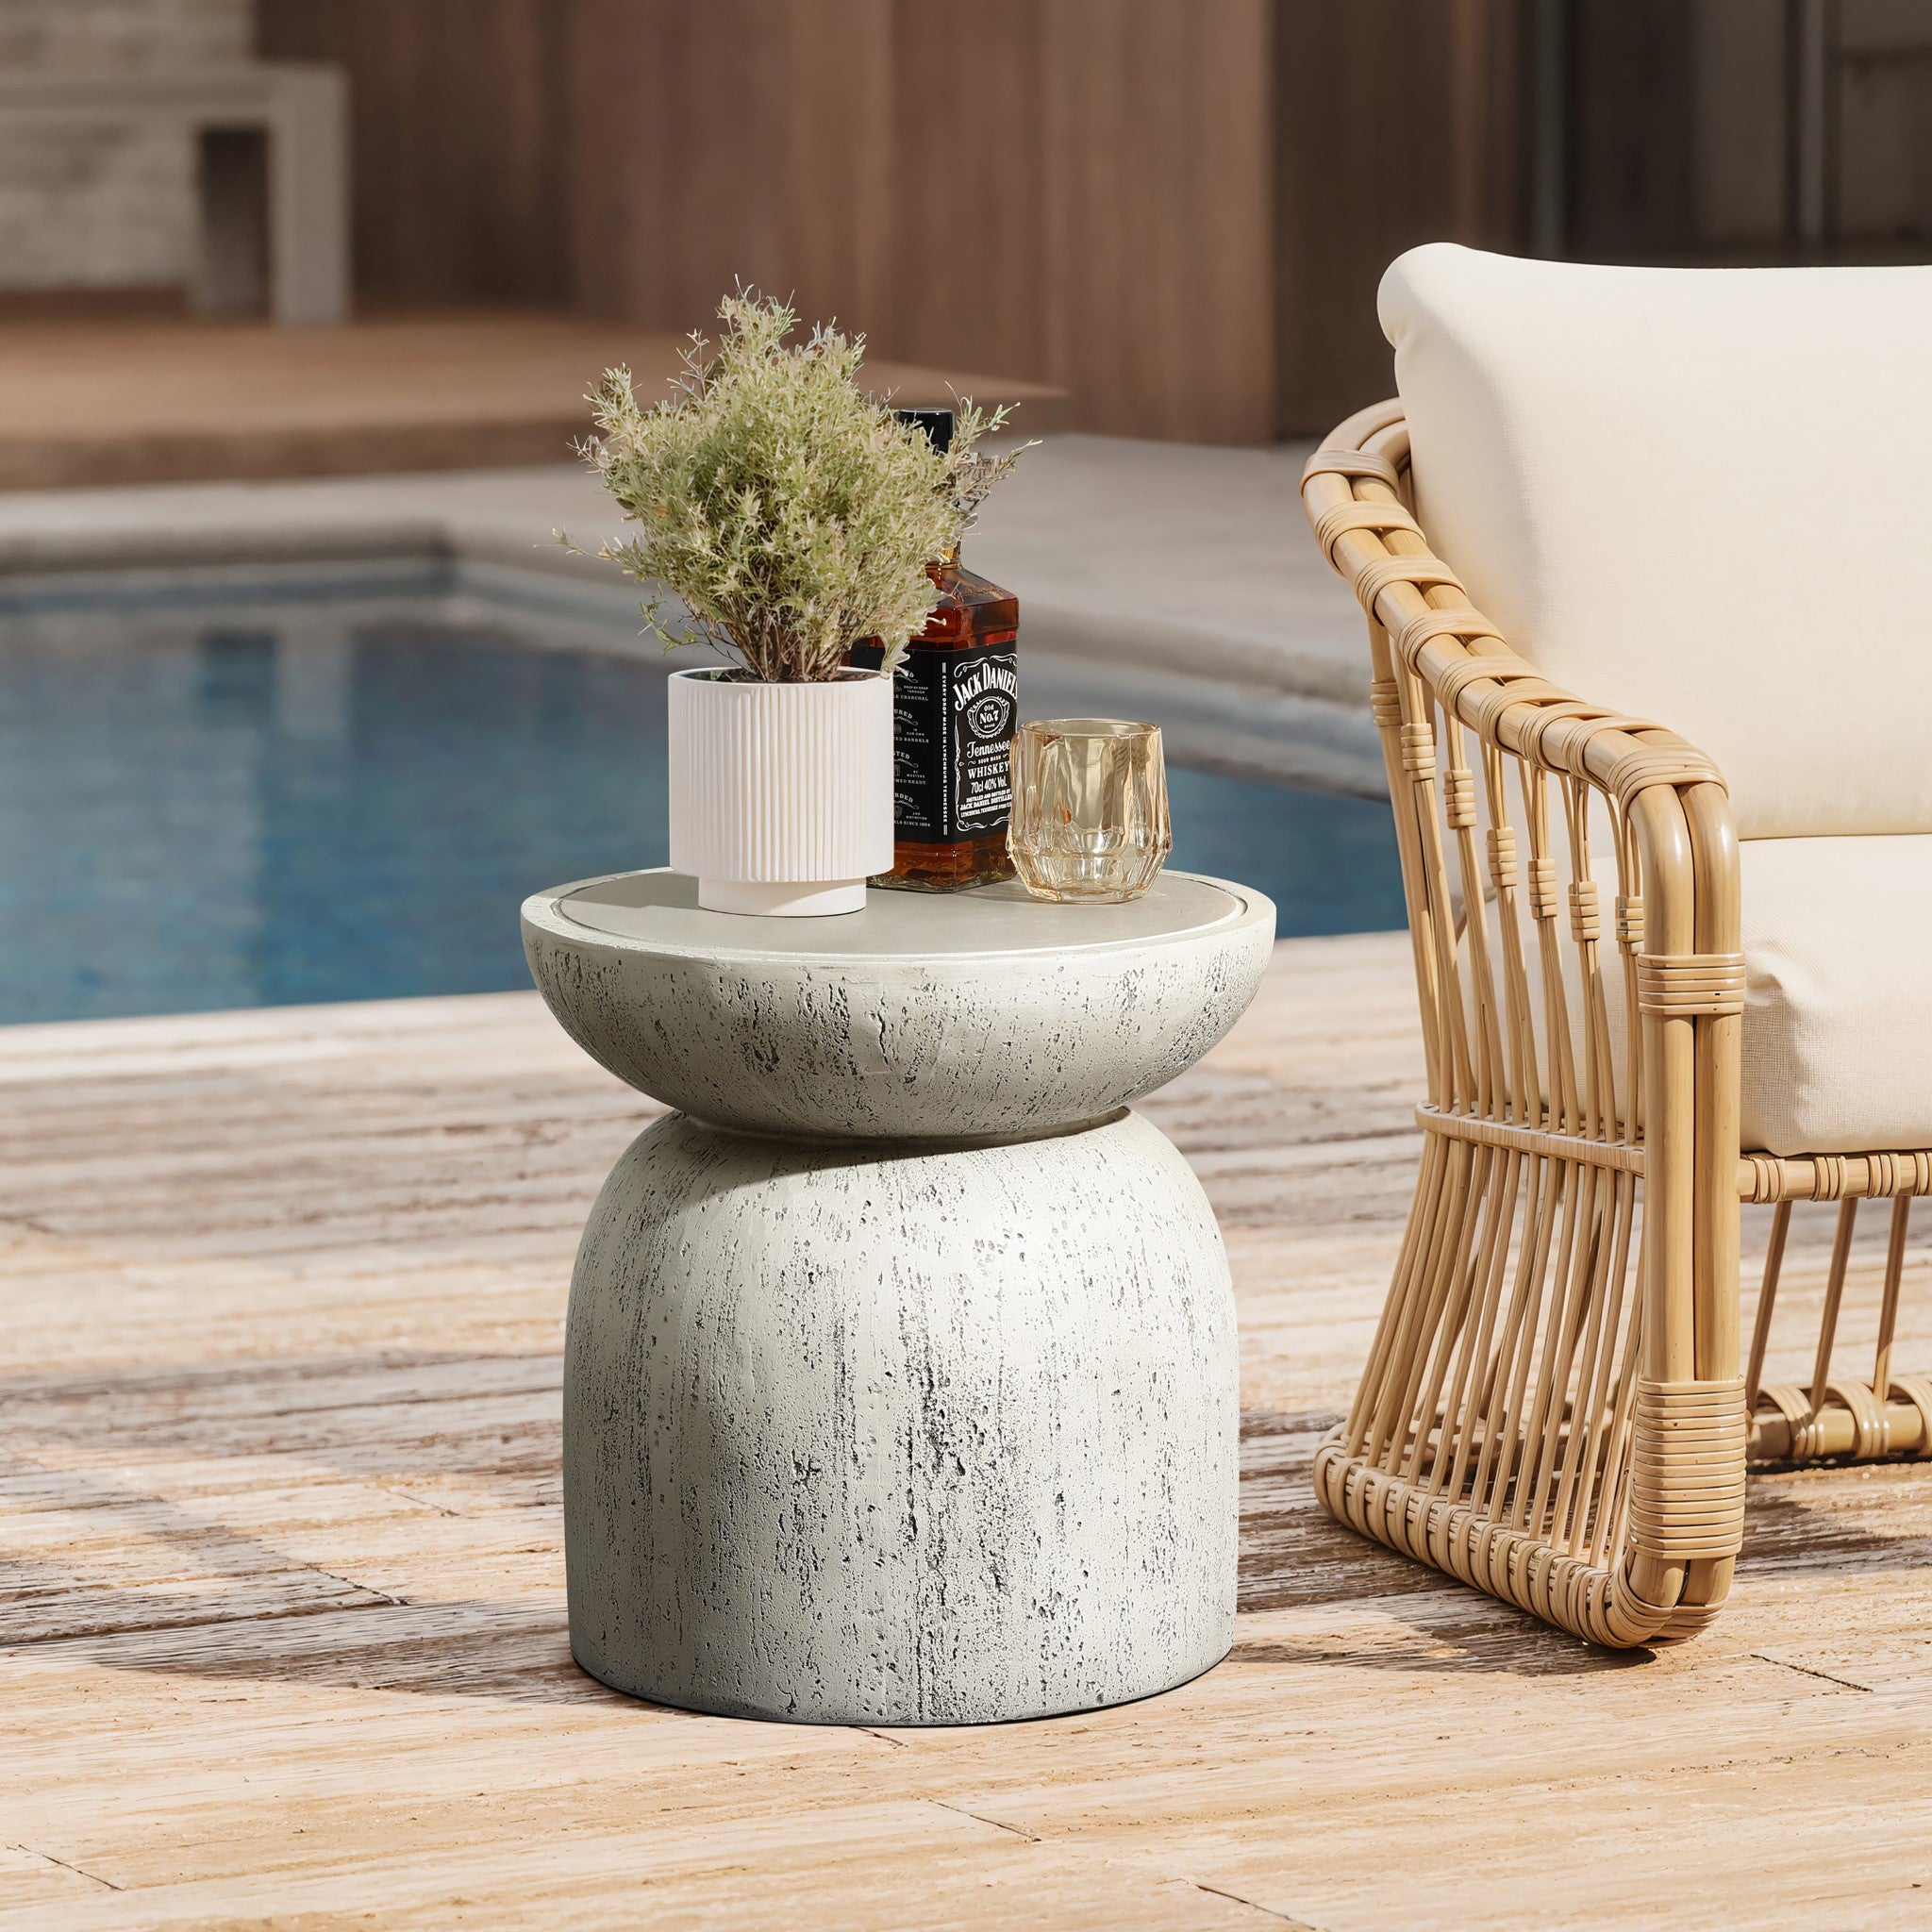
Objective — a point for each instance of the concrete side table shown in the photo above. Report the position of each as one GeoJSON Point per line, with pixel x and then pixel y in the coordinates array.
{"type": "Point", "coordinates": [900, 1372]}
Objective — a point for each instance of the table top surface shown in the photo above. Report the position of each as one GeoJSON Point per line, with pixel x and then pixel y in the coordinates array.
{"type": "Point", "coordinates": [658, 911]}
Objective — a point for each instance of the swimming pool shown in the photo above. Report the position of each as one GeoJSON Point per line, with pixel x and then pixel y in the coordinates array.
{"type": "Point", "coordinates": [260, 804]}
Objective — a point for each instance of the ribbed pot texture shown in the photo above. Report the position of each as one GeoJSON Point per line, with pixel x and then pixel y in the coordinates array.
{"type": "Point", "coordinates": [781, 784]}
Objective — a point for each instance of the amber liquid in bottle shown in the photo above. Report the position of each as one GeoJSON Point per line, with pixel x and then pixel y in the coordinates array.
{"type": "Point", "coordinates": [956, 707]}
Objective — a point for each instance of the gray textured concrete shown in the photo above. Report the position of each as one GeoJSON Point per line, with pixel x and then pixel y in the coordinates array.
{"type": "Point", "coordinates": [900, 1437]}
{"type": "Point", "coordinates": [1176, 583]}
{"type": "Point", "coordinates": [982, 1014]}
{"type": "Point", "coordinates": [103, 198]}
{"type": "Point", "coordinates": [936, 1421]}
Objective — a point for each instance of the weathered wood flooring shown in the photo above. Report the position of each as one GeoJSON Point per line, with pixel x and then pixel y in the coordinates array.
{"type": "Point", "coordinates": [155, 401]}
{"type": "Point", "coordinates": [281, 1610]}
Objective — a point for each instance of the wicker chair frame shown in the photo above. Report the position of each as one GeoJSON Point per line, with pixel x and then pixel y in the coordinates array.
{"type": "Point", "coordinates": [1554, 1408]}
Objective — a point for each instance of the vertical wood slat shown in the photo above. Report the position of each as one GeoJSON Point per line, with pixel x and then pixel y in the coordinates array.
{"type": "Point", "coordinates": [459, 115]}
{"type": "Point", "coordinates": [1158, 181]}
{"type": "Point", "coordinates": [1437, 158]}
{"type": "Point", "coordinates": [1074, 192]}
{"type": "Point", "coordinates": [1133, 200]}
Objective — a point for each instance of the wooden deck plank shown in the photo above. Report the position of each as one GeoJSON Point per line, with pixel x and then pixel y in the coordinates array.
{"type": "Point", "coordinates": [282, 1635]}
{"type": "Point", "coordinates": [149, 401]}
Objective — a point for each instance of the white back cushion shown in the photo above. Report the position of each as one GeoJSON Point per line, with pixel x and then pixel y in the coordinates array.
{"type": "Point", "coordinates": [1700, 495]}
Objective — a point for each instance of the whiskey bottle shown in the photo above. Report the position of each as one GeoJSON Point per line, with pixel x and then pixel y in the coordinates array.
{"type": "Point", "coordinates": [956, 707]}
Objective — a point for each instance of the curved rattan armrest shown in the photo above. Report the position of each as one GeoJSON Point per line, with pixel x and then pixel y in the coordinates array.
{"type": "Point", "coordinates": [1432, 647]}
{"type": "Point", "coordinates": [1671, 1517]}
{"type": "Point", "coordinates": [1354, 502]}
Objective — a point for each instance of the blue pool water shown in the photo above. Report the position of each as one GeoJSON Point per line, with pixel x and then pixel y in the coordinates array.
{"type": "Point", "coordinates": [200, 811]}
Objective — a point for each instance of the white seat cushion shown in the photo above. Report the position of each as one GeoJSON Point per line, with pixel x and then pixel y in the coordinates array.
{"type": "Point", "coordinates": [1838, 956]}
{"type": "Point", "coordinates": [1699, 495]}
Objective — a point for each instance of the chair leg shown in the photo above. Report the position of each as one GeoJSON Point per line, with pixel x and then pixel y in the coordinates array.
{"type": "Point", "coordinates": [1838, 1418]}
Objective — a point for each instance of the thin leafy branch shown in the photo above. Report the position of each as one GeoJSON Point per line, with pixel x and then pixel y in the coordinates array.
{"type": "Point", "coordinates": [790, 512]}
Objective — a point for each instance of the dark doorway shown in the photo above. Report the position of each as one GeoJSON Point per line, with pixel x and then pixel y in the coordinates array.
{"type": "Point", "coordinates": [234, 163]}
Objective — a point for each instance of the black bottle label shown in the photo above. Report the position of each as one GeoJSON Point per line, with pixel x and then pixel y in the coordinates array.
{"type": "Point", "coordinates": [985, 704]}
{"type": "Point", "coordinates": [954, 716]}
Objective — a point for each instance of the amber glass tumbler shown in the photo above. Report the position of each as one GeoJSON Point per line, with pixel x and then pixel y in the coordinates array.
{"type": "Point", "coordinates": [1090, 808]}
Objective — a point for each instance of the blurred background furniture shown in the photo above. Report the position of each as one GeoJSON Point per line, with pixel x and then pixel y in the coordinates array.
{"type": "Point", "coordinates": [1650, 482]}
{"type": "Point", "coordinates": [268, 145]}
{"type": "Point", "coordinates": [149, 160]}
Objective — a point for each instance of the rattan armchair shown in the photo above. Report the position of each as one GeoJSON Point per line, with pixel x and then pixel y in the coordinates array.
{"type": "Point", "coordinates": [1554, 1408]}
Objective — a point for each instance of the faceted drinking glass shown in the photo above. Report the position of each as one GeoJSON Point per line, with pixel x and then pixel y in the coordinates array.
{"type": "Point", "coordinates": [1090, 808]}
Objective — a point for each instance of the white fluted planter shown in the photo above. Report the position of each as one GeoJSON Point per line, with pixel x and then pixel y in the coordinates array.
{"type": "Point", "coordinates": [781, 794]}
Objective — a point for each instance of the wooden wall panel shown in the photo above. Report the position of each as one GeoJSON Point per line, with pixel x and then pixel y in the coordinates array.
{"type": "Point", "coordinates": [754, 146]}
{"type": "Point", "coordinates": [1070, 190]}
{"type": "Point", "coordinates": [1632, 124]}
{"type": "Point", "coordinates": [663, 209]}
{"type": "Point", "coordinates": [461, 184]}
{"type": "Point", "coordinates": [1398, 121]}
{"type": "Point", "coordinates": [1158, 177]}
{"type": "Point", "coordinates": [835, 172]}
{"type": "Point", "coordinates": [971, 271]}
{"type": "Point", "coordinates": [1078, 191]}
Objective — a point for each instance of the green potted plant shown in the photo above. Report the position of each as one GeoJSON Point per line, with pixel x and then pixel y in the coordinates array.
{"type": "Point", "coordinates": [791, 515]}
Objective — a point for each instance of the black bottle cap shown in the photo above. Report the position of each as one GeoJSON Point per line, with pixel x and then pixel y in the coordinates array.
{"type": "Point", "coordinates": [937, 425]}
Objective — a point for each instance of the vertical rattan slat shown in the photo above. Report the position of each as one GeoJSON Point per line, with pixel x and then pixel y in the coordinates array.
{"type": "Point", "coordinates": [1552, 1408]}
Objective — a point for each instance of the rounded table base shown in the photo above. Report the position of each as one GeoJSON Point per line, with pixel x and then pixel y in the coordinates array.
{"type": "Point", "coordinates": [864, 1433]}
